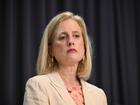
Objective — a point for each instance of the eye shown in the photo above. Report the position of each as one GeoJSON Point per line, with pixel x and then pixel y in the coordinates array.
{"type": "Point", "coordinates": [76, 35]}
{"type": "Point", "coordinates": [62, 37]}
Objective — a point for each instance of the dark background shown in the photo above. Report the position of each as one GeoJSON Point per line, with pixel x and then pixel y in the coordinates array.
{"type": "Point", "coordinates": [113, 27]}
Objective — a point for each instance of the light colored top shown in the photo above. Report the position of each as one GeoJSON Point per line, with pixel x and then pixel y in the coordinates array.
{"type": "Point", "coordinates": [50, 90]}
{"type": "Point", "coordinates": [76, 94]}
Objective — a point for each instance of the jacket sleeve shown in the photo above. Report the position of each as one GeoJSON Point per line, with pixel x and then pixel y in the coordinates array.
{"type": "Point", "coordinates": [104, 97]}
{"type": "Point", "coordinates": [35, 93]}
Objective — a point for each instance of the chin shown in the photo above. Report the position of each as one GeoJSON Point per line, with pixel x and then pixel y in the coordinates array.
{"type": "Point", "coordinates": [72, 61]}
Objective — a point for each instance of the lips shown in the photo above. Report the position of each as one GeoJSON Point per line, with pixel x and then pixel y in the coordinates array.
{"type": "Point", "coordinates": [71, 50]}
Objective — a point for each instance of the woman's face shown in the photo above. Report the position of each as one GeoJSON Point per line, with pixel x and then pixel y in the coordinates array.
{"type": "Point", "coordinates": [68, 45]}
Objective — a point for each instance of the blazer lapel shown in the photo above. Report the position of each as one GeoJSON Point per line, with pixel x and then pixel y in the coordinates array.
{"type": "Point", "coordinates": [88, 94]}
{"type": "Point", "coordinates": [58, 84]}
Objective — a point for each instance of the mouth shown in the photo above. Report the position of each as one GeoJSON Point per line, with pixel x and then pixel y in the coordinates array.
{"type": "Point", "coordinates": [71, 50]}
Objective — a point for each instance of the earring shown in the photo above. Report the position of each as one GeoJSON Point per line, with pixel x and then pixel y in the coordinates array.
{"type": "Point", "coordinates": [52, 60]}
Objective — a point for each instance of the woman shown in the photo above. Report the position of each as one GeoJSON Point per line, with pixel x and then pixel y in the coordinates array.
{"type": "Point", "coordinates": [64, 63]}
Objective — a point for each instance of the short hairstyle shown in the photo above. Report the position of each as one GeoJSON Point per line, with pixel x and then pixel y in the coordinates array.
{"type": "Point", "coordinates": [44, 60]}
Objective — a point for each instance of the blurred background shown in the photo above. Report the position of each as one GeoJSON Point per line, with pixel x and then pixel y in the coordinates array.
{"type": "Point", "coordinates": [114, 30]}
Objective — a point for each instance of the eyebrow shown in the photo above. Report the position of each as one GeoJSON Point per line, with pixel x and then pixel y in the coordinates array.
{"type": "Point", "coordinates": [65, 33]}
{"type": "Point", "coordinates": [76, 32]}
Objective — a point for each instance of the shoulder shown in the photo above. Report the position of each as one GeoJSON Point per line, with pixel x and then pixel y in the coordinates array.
{"type": "Point", "coordinates": [93, 89]}
{"type": "Point", "coordinates": [36, 90]}
{"type": "Point", "coordinates": [37, 86]}
{"type": "Point", "coordinates": [44, 80]}
{"type": "Point", "coordinates": [94, 94]}
{"type": "Point", "coordinates": [90, 86]}
{"type": "Point", "coordinates": [38, 80]}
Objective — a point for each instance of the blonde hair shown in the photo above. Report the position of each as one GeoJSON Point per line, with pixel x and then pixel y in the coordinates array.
{"type": "Point", "coordinates": [44, 62]}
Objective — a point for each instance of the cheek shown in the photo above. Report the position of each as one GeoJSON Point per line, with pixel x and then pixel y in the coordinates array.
{"type": "Point", "coordinates": [57, 47]}
{"type": "Point", "coordinates": [81, 45]}
{"type": "Point", "coordinates": [81, 48]}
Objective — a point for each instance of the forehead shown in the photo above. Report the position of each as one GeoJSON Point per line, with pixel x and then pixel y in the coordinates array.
{"type": "Point", "coordinates": [68, 25]}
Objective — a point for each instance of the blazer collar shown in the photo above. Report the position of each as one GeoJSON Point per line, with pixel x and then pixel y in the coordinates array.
{"type": "Point", "coordinates": [58, 84]}
{"type": "Point", "coordinates": [56, 79]}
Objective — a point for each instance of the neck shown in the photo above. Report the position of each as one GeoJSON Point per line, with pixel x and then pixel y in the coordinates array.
{"type": "Point", "coordinates": [68, 74]}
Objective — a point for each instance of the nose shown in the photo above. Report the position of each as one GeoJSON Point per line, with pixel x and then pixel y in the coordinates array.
{"type": "Point", "coordinates": [70, 41]}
